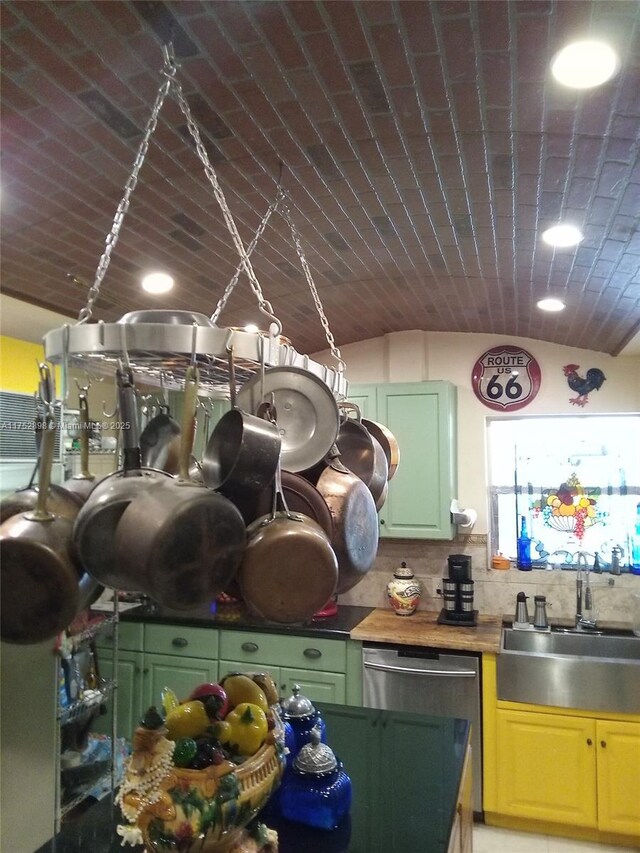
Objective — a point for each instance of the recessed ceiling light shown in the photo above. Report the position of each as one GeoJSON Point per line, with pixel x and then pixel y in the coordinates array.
{"type": "Point", "coordinates": [585, 64]}
{"type": "Point", "coordinates": [562, 235]}
{"type": "Point", "coordinates": [157, 282]}
{"type": "Point", "coordinates": [550, 305]}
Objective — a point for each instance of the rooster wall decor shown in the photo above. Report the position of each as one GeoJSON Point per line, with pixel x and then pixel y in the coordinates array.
{"type": "Point", "coordinates": [594, 379]}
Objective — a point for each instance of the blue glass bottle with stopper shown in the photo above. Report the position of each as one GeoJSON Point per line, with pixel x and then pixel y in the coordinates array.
{"type": "Point", "coordinates": [524, 547]}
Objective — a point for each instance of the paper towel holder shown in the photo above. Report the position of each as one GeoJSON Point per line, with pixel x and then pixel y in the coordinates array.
{"type": "Point", "coordinates": [462, 517]}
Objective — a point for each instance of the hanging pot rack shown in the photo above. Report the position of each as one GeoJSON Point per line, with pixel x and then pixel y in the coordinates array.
{"type": "Point", "coordinates": [159, 353]}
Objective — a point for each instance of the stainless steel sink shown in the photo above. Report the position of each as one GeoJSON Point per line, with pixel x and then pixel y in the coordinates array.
{"type": "Point", "coordinates": [570, 669]}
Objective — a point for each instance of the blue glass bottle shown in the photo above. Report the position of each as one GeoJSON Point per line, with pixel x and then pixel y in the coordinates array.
{"type": "Point", "coordinates": [524, 547]}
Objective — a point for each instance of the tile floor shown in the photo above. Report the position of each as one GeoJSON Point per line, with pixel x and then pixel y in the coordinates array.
{"type": "Point", "coordinates": [491, 839]}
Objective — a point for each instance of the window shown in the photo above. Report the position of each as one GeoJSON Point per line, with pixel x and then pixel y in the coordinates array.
{"type": "Point", "coordinates": [575, 479]}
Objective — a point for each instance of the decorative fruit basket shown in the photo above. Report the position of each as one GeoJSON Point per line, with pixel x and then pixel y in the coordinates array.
{"type": "Point", "coordinates": [170, 808]}
{"type": "Point", "coordinates": [571, 508]}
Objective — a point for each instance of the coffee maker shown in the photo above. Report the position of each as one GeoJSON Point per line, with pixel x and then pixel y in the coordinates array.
{"type": "Point", "coordinates": [457, 592]}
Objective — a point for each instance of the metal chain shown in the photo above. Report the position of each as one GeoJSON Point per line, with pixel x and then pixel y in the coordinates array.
{"type": "Point", "coordinates": [335, 352]}
{"type": "Point", "coordinates": [234, 279]}
{"type": "Point", "coordinates": [168, 73]}
{"type": "Point", "coordinates": [217, 191]}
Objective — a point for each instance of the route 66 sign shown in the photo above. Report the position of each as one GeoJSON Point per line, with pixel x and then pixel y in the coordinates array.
{"type": "Point", "coordinates": [506, 378]}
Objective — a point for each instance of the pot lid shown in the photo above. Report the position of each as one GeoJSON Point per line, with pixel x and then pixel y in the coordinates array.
{"type": "Point", "coordinates": [403, 571]}
{"type": "Point", "coordinates": [315, 758]}
{"type": "Point", "coordinates": [297, 705]}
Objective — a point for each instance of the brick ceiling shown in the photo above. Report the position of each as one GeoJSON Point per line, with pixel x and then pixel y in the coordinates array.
{"type": "Point", "coordinates": [424, 148]}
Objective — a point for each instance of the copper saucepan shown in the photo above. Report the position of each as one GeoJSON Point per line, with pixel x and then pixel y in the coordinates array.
{"type": "Point", "coordinates": [361, 453]}
{"type": "Point", "coordinates": [289, 569]}
{"type": "Point", "coordinates": [387, 441]}
{"type": "Point", "coordinates": [37, 566]}
{"type": "Point", "coordinates": [355, 521]}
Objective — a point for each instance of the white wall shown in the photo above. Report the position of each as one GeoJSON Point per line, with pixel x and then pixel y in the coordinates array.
{"type": "Point", "coordinates": [416, 356]}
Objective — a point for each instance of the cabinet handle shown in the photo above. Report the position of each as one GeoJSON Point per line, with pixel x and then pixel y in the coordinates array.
{"type": "Point", "coordinates": [589, 742]}
{"type": "Point", "coordinates": [382, 521]}
{"type": "Point", "coordinates": [314, 654]}
{"type": "Point", "coordinates": [179, 642]}
{"type": "Point", "coordinates": [249, 647]}
{"type": "Point", "coordinates": [603, 743]}
{"type": "Point", "coordinates": [145, 671]}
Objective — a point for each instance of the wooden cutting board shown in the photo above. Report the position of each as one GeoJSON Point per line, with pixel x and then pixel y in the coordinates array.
{"type": "Point", "coordinates": [422, 629]}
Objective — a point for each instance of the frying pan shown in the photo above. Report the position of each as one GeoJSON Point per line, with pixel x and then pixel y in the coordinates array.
{"type": "Point", "coordinates": [308, 418]}
{"type": "Point", "coordinates": [355, 521]}
{"type": "Point", "coordinates": [39, 575]}
{"type": "Point", "coordinates": [361, 453]}
{"type": "Point", "coordinates": [160, 442]}
{"type": "Point", "coordinates": [300, 495]}
{"type": "Point", "coordinates": [289, 569]}
{"type": "Point", "coordinates": [243, 451]}
{"type": "Point", "coordinates": [387, 441]}
{"type": "Point", "coordinates": [185, 541]}
{"type": "Point", "coordinates": [95, 527]}
{"type": "Point", "coordinates": [83, 483]}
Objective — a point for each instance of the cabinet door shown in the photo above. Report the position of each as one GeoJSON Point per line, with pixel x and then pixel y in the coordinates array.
{"type": "Point", "coordinates": [421, 415]}
{"type": "Point", "coordinates": [409, 748]}
{"type": "Point", "coordinates": [181, 674]}
{"type": "Point", "coordinates": [547, 767]}
{"type": "Point", "coordinates": [128, 695]}
{"type": "Point", "coordinates": [317, 686]}
{"type": "Point", "coordinates": [354, 738]}
{"type": "Point", "coordinates": [618, 745]}
{"type": "Point", "coordinates": [364, 396]}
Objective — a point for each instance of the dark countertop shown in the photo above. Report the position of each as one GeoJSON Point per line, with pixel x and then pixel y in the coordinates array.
{"type": "Point", "coordinates": [237, 617]}
{"type": "Point", "coordinates": [403, 800]}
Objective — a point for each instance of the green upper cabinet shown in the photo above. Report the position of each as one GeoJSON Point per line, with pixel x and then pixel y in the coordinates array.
{"type": "Point", "coordinates": [422, 417]}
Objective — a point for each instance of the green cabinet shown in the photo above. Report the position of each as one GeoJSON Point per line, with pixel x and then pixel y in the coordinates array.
{"type": "Point", "coordinates": [422, 417]}
{"type": "Point", "coordinates": [150, 658]}
{"type": "Point", "coordinates": [401, 749]}
{"type": "Point", "coordinates": [153, 656]}
{"type": "Point", "coordinates": [325, 669]}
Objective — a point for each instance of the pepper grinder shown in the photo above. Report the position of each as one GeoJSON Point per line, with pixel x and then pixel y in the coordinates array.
{"type": "Point", "coordinates": [540, 621]}
{"type": "Point", "coordinates": [522, 614]}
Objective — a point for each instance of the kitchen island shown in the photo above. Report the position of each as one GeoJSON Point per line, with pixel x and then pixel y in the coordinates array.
{"type": "Point", "coordinates": [407, 774]}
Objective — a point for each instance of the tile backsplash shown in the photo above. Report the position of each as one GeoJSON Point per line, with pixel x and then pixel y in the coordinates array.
{"type": "Point", "coordinates": [495, 590]}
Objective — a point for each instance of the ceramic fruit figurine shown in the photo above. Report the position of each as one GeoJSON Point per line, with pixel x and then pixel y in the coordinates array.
{"type": "Point", "coordinates": [404, 591]}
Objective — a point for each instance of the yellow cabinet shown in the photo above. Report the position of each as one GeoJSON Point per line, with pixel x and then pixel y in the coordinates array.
{"type": "Point", "coordinates": [618, 749]}
{"type": "Point", "coordinates": [546, 767]}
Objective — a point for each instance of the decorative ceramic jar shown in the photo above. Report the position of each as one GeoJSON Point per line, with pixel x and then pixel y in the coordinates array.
{"type": "Point", "coordinates": [300, 713]}
{"type": "Point", "coordinates": [404, 591]}
{"type": "Point", "coordinates": [317, 791]}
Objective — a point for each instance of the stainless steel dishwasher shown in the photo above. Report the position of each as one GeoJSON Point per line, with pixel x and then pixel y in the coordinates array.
{"type": "Point", "coordinates": [427, 681]}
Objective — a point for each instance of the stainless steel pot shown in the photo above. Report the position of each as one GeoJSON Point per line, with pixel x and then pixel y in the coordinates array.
{"type": "Point", "coordinates": [307, 413]}
{"type": "Point", "coordinates": [95, 527]}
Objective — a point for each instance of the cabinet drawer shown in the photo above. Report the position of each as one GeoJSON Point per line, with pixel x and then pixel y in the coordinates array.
{"type": "Point", "coordinates": [284, 650]}
{"type": "Point", "coordinates": [130, 636]}
{"type": "Point", "coordinates": [180, 640]}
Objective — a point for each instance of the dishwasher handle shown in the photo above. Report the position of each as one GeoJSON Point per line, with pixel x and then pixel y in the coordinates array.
{"type": "Point", "coordinates": [444, 673]}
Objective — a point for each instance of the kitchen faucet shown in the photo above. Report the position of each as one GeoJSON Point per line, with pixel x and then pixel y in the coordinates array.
{"type": "Point", "coordinates": [582, 622]}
